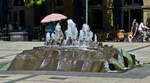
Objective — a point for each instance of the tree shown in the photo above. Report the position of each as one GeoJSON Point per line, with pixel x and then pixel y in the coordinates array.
{"type": "Point", "coordinates": [34, 2]}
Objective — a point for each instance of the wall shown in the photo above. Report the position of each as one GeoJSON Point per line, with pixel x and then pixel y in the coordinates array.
{"type": "Point", "coordinates": [0, 13]}
{"type": "Point", "coordinates": [107, 8]}
{"type": "Point", "coordinates": [146, 17]}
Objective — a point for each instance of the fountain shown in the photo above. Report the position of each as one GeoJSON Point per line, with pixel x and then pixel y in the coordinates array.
{"type": "Point", "coordinates": [75, 52]}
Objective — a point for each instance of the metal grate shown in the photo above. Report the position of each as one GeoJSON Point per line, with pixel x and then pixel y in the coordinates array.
{"type": "Point", "coordinates": [2, 58]}
{"type": "Point", "coordinates": [58, 78]}
{"type": "Point", "coordinates": [4, 76]}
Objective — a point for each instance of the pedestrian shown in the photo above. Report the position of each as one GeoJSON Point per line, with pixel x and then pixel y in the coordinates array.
{"type": "Point", "coordinates": [134, 28]}
{"type": "Point", "coordinates": [141, 29]}
{"type": "Point", "coordinates": [50, 28]}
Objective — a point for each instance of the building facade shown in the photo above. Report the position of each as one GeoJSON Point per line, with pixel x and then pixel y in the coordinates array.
{"type": "Point", "coordinates": [100, 12]}
{"type": "Point", "coordinates": [104, 15]}
{"type": "Point", "coordinates": [12, 12]}
{"type": "Point", "coordinates": [146, 12]}
{"type": "Point", "coordinates": [130, 10]}
{"type": "Point", "coordinates": [16, 12]}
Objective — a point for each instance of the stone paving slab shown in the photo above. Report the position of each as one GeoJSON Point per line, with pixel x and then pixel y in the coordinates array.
{"type": "Point", "coordinates": [79, 79]}
{"type": "Point", "coordinates": [7, 59]}
{"type": "Point", "coordinates": [8, 50]}
{"type": "Point", "coordinates": [9, 77]}
{"type": "Point", "coordinates": [137, 75]}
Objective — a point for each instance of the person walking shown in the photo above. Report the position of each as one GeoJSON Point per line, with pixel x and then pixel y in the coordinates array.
{"type": "Point", "coordinates": [134, 30]}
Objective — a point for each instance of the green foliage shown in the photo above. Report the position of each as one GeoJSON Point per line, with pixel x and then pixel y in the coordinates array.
{"type": "Point", "coordinates": [35, 2]}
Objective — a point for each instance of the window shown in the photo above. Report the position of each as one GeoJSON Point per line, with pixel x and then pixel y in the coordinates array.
{"type": "Point", "coordinates": [139, 2]}
{"type": "Point", "coordinates": [95, 2]}
{"type": "Point", "coordinates": [14, 16]}
{"type": "Point", "coordinates": [59, 2]}
{"type": "Point", "coordinates": [128, 2]}
{"type": "Point", "coordinates": [96, 18]}
{"type": "Point", "coordinates": [9, 16]}
{"type": "Point", "coordinates": [18, 3]}
{"type": "Point", "coordinates": [21, 17]}
{"type": "Point", "coordinates": [134, 2]}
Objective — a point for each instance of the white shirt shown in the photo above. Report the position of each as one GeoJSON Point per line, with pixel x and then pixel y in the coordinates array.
{"type": "Point", "coordinates": [141, 26]}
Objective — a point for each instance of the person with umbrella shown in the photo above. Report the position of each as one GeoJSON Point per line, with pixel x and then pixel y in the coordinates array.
{"type": "Point", "coordinates": [51, 18]}
{"type": "Point", "coordinates": [50, 28]}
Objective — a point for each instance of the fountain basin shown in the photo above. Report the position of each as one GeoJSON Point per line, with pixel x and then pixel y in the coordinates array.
{"type": "Point", "coordinates": [76, 59]}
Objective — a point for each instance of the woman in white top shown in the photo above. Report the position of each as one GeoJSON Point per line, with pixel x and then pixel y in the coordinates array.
{"type": "Point", "coordinates": [141, 30]}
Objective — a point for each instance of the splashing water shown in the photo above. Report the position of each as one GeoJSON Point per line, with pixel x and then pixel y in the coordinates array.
{"type": "Point", "coordinates": [53, 36]}
{"type": "Point", "coordinates": [47, 36]}
{"type": "Point", "coordinates": [85, 34]}
{"type": "Point", "coordinates": [71, 34]}
{"type": "Point", "coordinates": [72, 31]}
{"type": "Point", "coordinates": [58, 34]}
{"type": "Point", "coordinates": [95, 38]}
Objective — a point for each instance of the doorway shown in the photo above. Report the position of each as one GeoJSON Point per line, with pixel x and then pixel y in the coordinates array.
{"type": "Point", "coordinates": [96, 20]}
{"type": "Point", "coordinates": [136, 14]}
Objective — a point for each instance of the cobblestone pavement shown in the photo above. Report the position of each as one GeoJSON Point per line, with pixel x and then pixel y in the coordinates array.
{"type": "Point", "coordinates": [8, 50]}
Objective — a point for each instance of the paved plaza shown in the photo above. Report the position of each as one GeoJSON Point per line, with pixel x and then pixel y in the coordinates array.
{"type": "Point", "coordinates": [8, 50]}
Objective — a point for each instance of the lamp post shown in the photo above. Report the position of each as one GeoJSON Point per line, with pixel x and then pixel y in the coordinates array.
{"type": "Point", "coordinates": [86, 11]}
